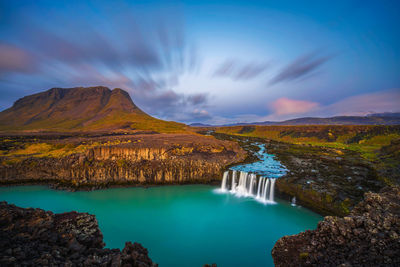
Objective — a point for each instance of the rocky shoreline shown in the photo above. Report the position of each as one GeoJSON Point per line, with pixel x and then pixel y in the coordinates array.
{"type": "Point", "coordinates": [56, 185]}
{"type": "Point", "coordinates": [34, 237]}
{"type": "Point", "coordinates": [368, 236]}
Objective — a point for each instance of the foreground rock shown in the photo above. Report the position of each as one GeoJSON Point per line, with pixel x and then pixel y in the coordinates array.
{"type": "Point", "coordinates": [36, 237]}
{"type": "Point", "coordinates": [369, 236]}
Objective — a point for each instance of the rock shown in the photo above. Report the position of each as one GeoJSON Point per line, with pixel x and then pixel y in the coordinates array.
{"type": "Point", "coordinates": [369, 236]}
{"type": "Point", "coordinates": [120, 160]}
{"type": "Point", "coordinates": [71, 239]}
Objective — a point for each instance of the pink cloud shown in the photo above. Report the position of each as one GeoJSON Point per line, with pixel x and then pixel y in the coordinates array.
{"type": "Point", "coordinates": [286, 106]}
{"type": "Point", "coordinates": [14, 59]}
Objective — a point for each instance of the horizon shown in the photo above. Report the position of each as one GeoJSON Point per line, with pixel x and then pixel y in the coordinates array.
{"type": "Point", "coordinates": [211, 63]}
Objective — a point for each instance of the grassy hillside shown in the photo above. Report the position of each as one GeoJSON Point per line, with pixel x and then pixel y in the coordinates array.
{"type": "Point", "coordinates": [81, 109]}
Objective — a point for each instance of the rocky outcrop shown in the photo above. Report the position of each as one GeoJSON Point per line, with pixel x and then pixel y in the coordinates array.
{"type": "Point", "coordinates": [34, 237]}
{"type": "Point", "coordinates": [369, 236]}
{"type": "Point", "coordinates": [140, 159]}
{"type": "Point", "coordinates": [326, 180]}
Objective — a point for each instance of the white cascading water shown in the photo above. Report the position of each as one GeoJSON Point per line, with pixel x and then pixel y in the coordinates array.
{"type": "Point", "coordinates": [233, 188]}
{"type": "Point", "coordinates": [224, 185]}
{"type": "Point", "coordinates": [271, 190]}
{"type": "Point", "coordinates": [249, 185]}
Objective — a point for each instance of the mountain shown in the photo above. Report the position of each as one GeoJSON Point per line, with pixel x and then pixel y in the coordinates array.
{"type": "Point", "coordinates": [386, 118]}
{"type": "Point", "coordinates": [340, 120]}
{"type": "Point", "coordinates": [385, 114]}
{"type": "Point", "coordinates": [80, 109]}
{"type": "Point", "coordinates": [198, 124]}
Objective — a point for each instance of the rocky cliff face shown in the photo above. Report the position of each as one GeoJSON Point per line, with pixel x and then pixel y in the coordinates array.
{"type": "Point", "coordinates": [140, 159]}
{"type": "Point", "coordinates": [369, 236]}
{"type": "Point", "coordinates": [34, 237]}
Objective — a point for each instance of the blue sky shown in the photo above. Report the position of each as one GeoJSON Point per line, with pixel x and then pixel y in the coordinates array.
{"type": "Point", "coordinates": [209, 61]}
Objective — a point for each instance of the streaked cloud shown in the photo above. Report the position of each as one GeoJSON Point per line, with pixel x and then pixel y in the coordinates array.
{"type": "Point", "coordinates": [238, 70]}
{"type": "Point", "coordinates": [300, 68]}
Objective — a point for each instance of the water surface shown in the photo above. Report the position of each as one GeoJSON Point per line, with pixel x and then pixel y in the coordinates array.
{"type": "Point", "coordinates": [267, 166]}
{"type": "Point", "coordinates": [180, 225]}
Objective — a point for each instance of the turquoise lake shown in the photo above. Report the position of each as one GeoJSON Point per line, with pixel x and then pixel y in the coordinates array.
{"type": "Point", "coordinates": [187, 225]}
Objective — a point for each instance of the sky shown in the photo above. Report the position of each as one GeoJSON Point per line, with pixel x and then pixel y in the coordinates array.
{"type": "Point", "coordinates": [214, 62]}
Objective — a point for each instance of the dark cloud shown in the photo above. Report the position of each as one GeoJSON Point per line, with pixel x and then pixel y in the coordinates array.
{"type": "Point", "coordinates": [197, 99]}
{"type": "Point", "coordinates": [239, 71]}
{"type": "Point", "coordinates": [300, 68]}
{"type": "Point", "coordinates": [94, 47]}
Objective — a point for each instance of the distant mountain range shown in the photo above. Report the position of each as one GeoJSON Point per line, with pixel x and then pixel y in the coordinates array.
{"type": "Point", "coordinates": [386, 118]}
{"type": "Point", "coordinates": [80, 109]}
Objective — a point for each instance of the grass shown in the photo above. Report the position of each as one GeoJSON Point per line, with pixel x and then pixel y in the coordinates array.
{"type": "Point", "coordinates": [366, 140]}
{"type": "Point", "coordinates": [18, 151]}
{"type": "Point", "coordinates": [116, 121]}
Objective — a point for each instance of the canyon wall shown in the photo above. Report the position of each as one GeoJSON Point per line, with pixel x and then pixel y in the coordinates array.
{"type": "Point", "coordinates": [165, 161]}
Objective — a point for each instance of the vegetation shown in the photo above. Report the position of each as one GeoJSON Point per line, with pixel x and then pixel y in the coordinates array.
{"type": "Point", "coordinates": [81, 110]}
{"type": "Point", "coordinates": [373, 143]}
{"type": "Point", "coordinates": [15, 149]}
{"type": "Point", "coordinates": [364, 139]}
{"type": "Point", "coordinates": [330, 167]}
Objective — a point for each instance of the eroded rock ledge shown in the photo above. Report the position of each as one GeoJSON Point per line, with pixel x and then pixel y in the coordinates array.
{"type": "Point", "coordinates": [112, 160]}
{"type": "Point", "coordinates": [34, 237]}
{"type": "Point", "coordinates": [369, 236]}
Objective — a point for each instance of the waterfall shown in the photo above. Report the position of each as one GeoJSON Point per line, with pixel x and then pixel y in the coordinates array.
{"type": "Point", "coordinates": [249, 185]}
{"type": "Point", "coordinates": [271, 191]}
{"type": "Point", "coordinates": [233, 188]}
{"type": "Point", "coordinates": [224, 185]}
{"type": "Point", "coordinates": [259, 189]}
{"type": "Point", "coordinates": [252, 179]}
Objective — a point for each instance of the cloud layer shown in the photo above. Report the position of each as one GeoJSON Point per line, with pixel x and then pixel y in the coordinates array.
{"type": "Point", "coordinates": [179, 63]}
